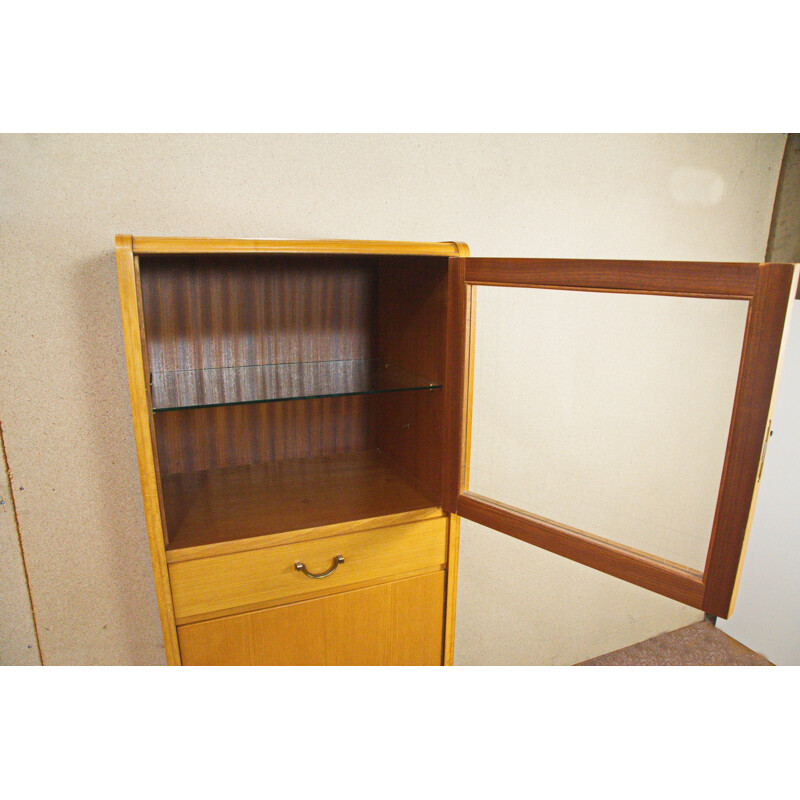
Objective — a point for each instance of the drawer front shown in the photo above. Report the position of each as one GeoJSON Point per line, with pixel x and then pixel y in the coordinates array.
{"type": "Point", "coordinates": [398, 623]}
{"type": "Point", "coordinates": [220, 583]}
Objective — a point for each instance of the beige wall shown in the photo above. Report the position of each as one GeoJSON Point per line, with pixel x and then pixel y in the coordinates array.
{"type": "Point", "coordinates": [64, 404]}
{"type": "Point", "coordinates": [18, 644]}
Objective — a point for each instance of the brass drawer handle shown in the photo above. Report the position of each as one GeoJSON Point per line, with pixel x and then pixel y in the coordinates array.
{"type": "Point", "coordinates": [301, 567]}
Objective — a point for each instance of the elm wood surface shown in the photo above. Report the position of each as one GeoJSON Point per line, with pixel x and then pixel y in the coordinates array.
{"type": "Point", "coordinates": [165, 244]}
{"type": "Point", "coordinates": [149, 397]}
{"type": "Point", "coordinates": [190, 440]}
{"type": "Point", "coordinates": [218, 585]}
{"type": "Point", "coordinates": [261, 499]}
{"type": "Point", "coordinates": [136, 358]}
{"type": "Point", "coordinates": [764, 339]}
{"type": "Point", "coordinates": [303, 535]}
{"type": "Point", "coordinates": [309, 595]}
{"type": "Point", "coordinates": [397, 623]}
{"type": "Point", "coordinates": [769, 287]}
{"type": "Point", "coordinates": [453, 541]}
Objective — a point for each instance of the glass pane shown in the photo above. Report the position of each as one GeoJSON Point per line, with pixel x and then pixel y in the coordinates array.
{"type": "Point", "coordinates": [189, 388]}
{"type": "Point", "coordinates": [606, 412]}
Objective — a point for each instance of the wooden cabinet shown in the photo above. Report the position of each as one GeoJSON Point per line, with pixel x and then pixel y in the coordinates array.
{"type": "Point", "coordinates": [289, 410]}
{"type": "Point", "coordinates": [303, 417]}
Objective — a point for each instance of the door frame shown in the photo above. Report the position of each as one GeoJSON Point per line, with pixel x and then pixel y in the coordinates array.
{"type": "Point", "coordinates": [769, 290]}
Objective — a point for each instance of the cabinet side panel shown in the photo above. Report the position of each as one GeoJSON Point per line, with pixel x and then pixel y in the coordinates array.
{"type": "Point", "coordinates": [412, 303]}
{"type": "Point", "coordinates": [134, 354]}
{"type": "Point", "coordinates": [453, 538]}
{"type": "Point", "coordinates": [409, 432]}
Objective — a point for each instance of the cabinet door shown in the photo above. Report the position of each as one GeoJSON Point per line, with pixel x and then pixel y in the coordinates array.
{"type": "Point", "coordinates": [397, 623]}
{"type": "Point", "coordinates": [616, 413]}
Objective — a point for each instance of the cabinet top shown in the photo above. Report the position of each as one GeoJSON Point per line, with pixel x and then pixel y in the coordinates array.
{"type": "Point", "coordinates": [151, 244]}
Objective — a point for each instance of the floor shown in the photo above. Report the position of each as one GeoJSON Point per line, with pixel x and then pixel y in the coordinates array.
{"type": "Point", "coordinates": [699, 645]}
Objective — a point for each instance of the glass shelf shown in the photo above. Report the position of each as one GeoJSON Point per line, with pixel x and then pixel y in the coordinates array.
{"type": "Point", "coordinates": [199, 388]}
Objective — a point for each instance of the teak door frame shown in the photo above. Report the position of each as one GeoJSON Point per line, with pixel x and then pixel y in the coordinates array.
{"type": "Point", "coordinates": [769, 290]}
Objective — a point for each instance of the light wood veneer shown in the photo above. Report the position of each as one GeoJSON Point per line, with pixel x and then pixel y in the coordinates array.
{"type": "Point", "coordinates": [390, 624]}
{"type": "Point", "coordinates": [220, 584]}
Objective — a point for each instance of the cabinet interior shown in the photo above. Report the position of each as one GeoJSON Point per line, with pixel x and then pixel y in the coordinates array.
{"type": "Point", "coordinates": [293, 391]}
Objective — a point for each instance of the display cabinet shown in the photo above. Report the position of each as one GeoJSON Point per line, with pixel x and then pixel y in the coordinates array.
{"type": "Point", "coordinates": [303, 417]}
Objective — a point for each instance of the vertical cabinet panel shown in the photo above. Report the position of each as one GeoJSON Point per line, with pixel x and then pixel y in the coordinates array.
{"type": "Point", "coordinates": [398, 623]}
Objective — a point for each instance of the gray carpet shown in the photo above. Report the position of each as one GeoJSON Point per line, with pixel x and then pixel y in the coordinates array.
{"type": "Point", "coordinates": [698, 645]}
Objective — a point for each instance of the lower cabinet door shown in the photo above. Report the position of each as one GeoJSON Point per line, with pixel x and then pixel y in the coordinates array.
{"type": "Point", "coordinates": [400, 623]}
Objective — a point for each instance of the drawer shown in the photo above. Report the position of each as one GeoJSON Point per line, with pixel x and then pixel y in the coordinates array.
{"type": "Point", "coordinates": [210, 586]}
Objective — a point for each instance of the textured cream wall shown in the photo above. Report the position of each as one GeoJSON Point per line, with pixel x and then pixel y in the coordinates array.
{"type": "Point", "coordinates": [17, 633]}
{"type": "Point", "coordinates": [64, 402]}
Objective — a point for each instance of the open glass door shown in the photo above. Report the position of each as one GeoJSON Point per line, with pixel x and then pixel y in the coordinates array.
{"type": "Point", "coordinates": [616, 413]}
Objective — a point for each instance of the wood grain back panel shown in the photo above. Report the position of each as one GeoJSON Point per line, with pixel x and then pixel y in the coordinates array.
{"type": "Point", "coordinates": [190, 440]}
{"type": "Point", "coordinates": [205, 311]}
